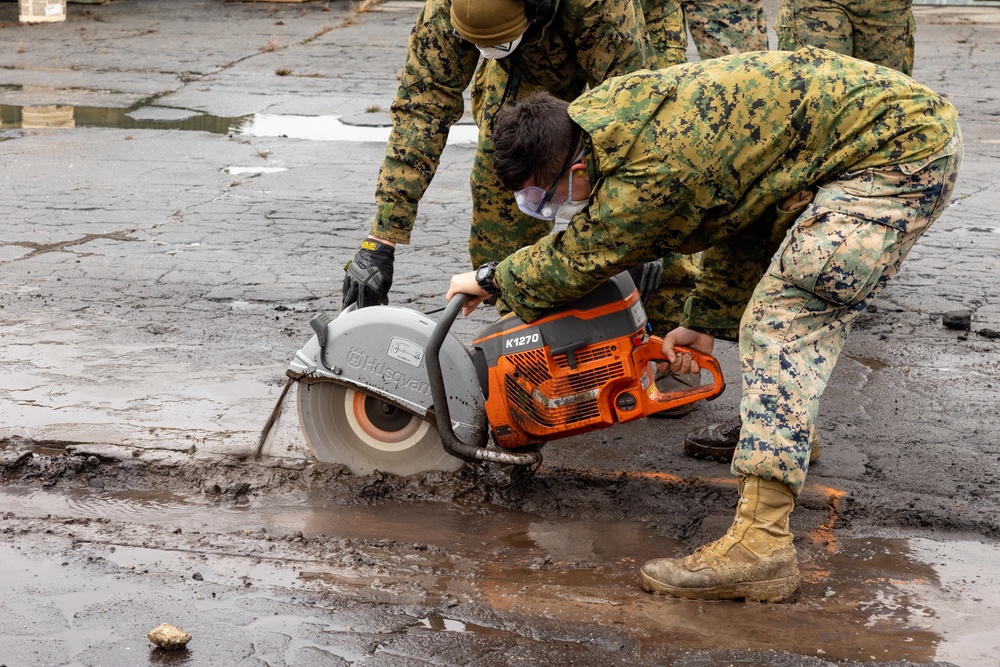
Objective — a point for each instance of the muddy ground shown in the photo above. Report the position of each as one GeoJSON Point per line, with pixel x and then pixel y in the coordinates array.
{"type": "Point", "coordinates": [160, 260]}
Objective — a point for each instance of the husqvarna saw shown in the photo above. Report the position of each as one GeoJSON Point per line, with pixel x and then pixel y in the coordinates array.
{"type": "Point", "coordinates": [388, 388]}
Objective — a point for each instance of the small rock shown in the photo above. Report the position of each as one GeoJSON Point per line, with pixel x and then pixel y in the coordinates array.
{"type": "Point", "coordinates": [957, 319]}
{"type": "Point", "coordinates": [168, 637]}
{"type": "Point", "coordinates": [992, 334]}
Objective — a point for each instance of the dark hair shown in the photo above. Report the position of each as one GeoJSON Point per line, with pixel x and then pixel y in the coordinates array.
{"type": "Point", "coordinates": [531, 140]}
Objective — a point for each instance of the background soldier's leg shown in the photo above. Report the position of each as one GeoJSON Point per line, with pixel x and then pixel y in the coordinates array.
{"type": "Point", "coordinates": [818, 23]}
{"type": "Point", "coordinates": [884, 35]}
{"type": "Point", "coordinates": [667, 37]}
{"type": "Point", "coordinates": [724, 27]}
{"type": "Point", "coordinates": [757, 38]}
{"type": "Point", "coordinates": [665, 308]}
{"type": "Point", "coordinates": [910, 46]}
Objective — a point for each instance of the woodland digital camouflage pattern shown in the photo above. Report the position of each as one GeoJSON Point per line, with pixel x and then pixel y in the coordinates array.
{"type": "Point", "coordinates": [667, 36]}
{"type": "Point", "coordinates": [587, 42]}
{"type": "Point", "coordinates": [829, 267]}
{"type": "Point", "coordinates": [879, 31]}
{"type": "Point", "coordinates": [734, 139]}
{"type": "Point", "coordinates": [726, 27]}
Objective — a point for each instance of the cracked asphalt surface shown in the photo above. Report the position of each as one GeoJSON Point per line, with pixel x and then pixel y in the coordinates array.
{"type": "Point", "coordinates": [159, 264]}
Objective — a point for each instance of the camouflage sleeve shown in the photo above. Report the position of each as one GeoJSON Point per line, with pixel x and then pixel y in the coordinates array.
{"type": "Point", "coordinates": [559, 268]}
{"type": "Point", "coordinates": [631, 227]}
{"type": "Point", "coordinates": [439, 67]}
{"type": "Point", "coordinates": [611, 37]}
{"type": "Point", "coordinates": [641, 215]}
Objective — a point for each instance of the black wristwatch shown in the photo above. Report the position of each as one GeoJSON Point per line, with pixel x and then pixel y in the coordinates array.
{"type": "Point", "coordinates": [485, 275]}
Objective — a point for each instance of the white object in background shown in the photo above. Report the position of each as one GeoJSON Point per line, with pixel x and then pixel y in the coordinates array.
{"type": "Point", "coordinates": [38, 11]}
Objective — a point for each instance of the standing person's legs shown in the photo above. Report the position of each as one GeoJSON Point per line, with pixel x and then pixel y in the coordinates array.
{"type": "Point", "coordinates": [840, 252]}
{"type": "Point", "coordinates": [667, 36]}
{"type": "Point", "coordinates": [725, 27]}
{"type": "Point", "coordinates": [883, 33]}
{"type": "Point", "coordinates": [819, 23]}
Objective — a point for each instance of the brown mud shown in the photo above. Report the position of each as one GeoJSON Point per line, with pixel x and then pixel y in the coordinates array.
{"type": "Point", "coordinates": [540, 561]}
{"type": "Point", "coordinates": [160, 267]}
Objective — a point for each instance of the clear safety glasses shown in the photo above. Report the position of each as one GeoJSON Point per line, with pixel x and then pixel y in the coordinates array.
{"type": "Point", "coordinates": [543, 204]}
{"type": "Point", "coordinates": [539, 203]}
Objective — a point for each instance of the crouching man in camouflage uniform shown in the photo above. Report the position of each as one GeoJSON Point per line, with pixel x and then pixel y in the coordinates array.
{"type": "Point", "coordinates": [806, 176]}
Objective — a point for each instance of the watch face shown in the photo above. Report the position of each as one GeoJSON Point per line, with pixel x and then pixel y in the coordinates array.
{"type": "Point", "coordinates": [484, 276]}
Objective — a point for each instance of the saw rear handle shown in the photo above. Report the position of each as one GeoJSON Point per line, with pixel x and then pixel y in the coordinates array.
{"type": "Point", "coordinates": [656, 401]}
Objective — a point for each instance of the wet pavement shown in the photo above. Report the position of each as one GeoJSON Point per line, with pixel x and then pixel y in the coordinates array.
{"type": "Point", "coordinates": [181, 185]}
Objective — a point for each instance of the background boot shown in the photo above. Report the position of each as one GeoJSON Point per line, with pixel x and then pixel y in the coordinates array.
{"type": "Point", "coordinates": [667, 382]}
{"type": "Point", "coordinates": [718, 442]}
{"type": "Point", "coordinates": [755, 560]}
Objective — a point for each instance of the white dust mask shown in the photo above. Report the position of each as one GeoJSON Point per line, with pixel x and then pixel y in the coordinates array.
{"type": "Point", "coordinates": [498, 51]}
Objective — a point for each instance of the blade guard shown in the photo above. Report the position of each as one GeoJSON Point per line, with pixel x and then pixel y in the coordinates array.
{"type": "Point", "coordinates": [652, 400]}
{"type": "Point", "coordinates": [380, 351]}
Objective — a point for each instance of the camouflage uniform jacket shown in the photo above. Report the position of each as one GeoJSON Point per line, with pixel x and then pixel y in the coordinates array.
{"type": "Point", "coordinates": [585, 43]}
{"type": "Point", "coordinates": [699, 156]}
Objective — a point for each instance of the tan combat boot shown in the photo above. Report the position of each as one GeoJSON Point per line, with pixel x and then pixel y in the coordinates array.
{"type": "Point", "coordinates": [755, 560]}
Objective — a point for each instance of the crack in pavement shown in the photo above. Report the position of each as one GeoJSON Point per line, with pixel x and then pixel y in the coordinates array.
{"type": "Point", "coordinates": [42, 248]}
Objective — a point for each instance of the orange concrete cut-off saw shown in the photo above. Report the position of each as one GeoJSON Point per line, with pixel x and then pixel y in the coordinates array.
{"type": "Point", "coordinates": [391, 389]}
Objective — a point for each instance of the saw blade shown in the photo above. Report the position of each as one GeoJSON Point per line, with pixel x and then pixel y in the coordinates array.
{"type": "Point", "coordinates": [364, 433]}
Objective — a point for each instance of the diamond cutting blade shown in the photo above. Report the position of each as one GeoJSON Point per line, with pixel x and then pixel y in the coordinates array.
{"type": "Point", "coordinates": [364, 433]}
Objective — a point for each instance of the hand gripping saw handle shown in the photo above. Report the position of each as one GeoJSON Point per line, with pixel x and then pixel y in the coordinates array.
{"type": "Point", "coordinates": [653, 400]}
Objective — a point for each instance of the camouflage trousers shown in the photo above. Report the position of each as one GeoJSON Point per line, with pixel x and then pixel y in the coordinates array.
{"type": "Point", "coordinates": [498, 226]}
{"type": "Point", "coordinates": [879, 31]}
{"type": "Point", "coordinates": [839, 253]}
{"type": "Point", "coordinates": [725, 27]}
{"type": "Point", "coordinates": [665, 29]}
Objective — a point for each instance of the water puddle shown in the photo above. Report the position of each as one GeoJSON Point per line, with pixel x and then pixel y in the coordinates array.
{"type": "Point", "coordinates": [879, 598]}
{"type": "Point", "coordinates": [373, 127]}
{"type": "Point", "coordinates": [437, 623]}
{"type": "Point", "coordinates": [869, 362]}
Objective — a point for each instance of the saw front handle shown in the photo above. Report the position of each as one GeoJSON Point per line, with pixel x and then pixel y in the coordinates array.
{"type": "Point", "coordinates": [653, 400]}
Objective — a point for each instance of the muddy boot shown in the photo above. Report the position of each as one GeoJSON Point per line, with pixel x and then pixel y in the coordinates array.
{"type": "Point", "coordinates": [755, 560]}
{"type": "Point", "coordinates": [718, 442]}
{"type": "Point", "coordinates": [667, 382]}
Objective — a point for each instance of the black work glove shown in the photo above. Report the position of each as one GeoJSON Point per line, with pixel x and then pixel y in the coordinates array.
{"type": "Point", "coordinates": [647, 278]}
{"type": "Point", "coordinates": [368, 276]}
